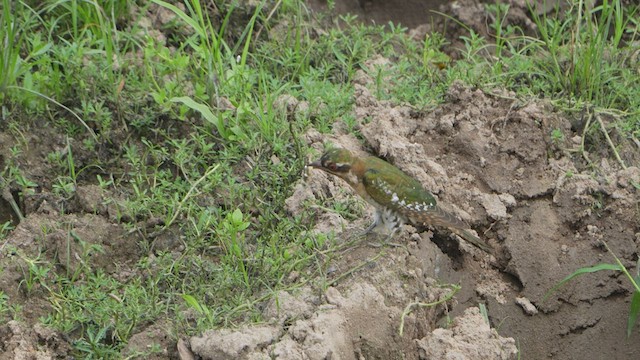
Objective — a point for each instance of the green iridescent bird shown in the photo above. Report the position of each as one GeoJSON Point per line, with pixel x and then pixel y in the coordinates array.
{"type": "Point", "coordinates": [397, 197]}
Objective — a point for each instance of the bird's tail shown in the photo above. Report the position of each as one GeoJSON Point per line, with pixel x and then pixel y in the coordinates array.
{"type": "Point", "coordinates": [442, 218]}
{"type": "Point", "coordinates": [474, 240]}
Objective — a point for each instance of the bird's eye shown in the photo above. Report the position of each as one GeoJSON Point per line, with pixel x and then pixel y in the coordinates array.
{"type": "Point", "coordinates": [332, 166]}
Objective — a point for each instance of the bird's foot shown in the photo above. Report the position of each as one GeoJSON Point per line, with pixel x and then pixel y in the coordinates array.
{"type": "Point", "coordinates": [385, 242]}
{"type": "Point", "coordinates": [369, 229]}
{"type": "Point", "coordinates": [390, 227]}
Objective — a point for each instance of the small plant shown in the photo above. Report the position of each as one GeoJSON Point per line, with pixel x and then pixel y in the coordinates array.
{"type": "Point", "coordinates": [634, 307]}
{"type": "Point", "coordinates": [27, 187]}
{"type": "Point", "coordinates": [4, 304]}
{"type": "Point", "coordinates": [407, 310]}
{"type": "Point", "coordinates": [209, 315]}
{"type": "Point", "coordinates": [432, 57]}
{"type": "Point", "coordinates": [64, 187]}
{"type": "Point", "coordinates": [499, 13]}
{"type": "Point", "coordinates": [557, 137]}
{"type": "Point", "coordinates": [35, 274]}
{"type": "Point", "coordinates": [104, 183]}
{"type": "Point", "coordinates": [84, 257]}
{"type": "Point", "coordinates": [5, 228]}
{"type": "Point", "coordinates": [96, 344]}
{"type": "Point", "coordinates": [231, 232]}
{"type": "Point", "coordinates": [581, 47]}
{"type": "Point", "coordinates": [99, 114]}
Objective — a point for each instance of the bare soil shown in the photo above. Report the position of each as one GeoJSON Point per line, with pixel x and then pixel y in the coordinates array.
{"type": "Point", "coordinates": [488, 158]}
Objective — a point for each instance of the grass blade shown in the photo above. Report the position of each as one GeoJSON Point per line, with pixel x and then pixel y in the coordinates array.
{"type": "Point", "coordinates": [203, 109]}
{"type": "Point", "coordinates": [182, 15]}
{"type": "Point", "coordinates": [634, 310]}
{"type": "Point", "coordinates": [582, 271]}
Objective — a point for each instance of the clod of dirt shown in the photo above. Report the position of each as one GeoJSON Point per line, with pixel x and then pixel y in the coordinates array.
{"type": "Point", "coordinates": [360, 315]}
{"type": "Point", "coordinates": [239, 344]}
{"type": "Point", "coordinates": [154, 335]}
{"type": "Point", "coordinates": [93, 199]}
{"type": "Point", "coordinates": [629, 177]}
{"type": "Point", "coordinates": [286, 308]}
{"type": "Point", "coordinates": [69, 242]}
{"type": "Point", "coordinates": [327, 333]}
{"type": "Point", "coordinates": [73, 248]}
{"type": "Point", "coordinates": [292, 105]}
{"type": "Point", "coordinates": [526, 305]}
{"type": "Point", "coordinates": [493, 206]}
{"type": "Point", "coordinates": [184, 352]}
{"type": "Point", "coordinates": [19, 341]}
{"type": "Point", "coordinates": [469, 338]}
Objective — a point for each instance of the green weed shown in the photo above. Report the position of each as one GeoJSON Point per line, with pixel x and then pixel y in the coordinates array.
{"type": "Point", "coordinates": [4, 304]}
{"type": "Point", "coordinates": [407, 310]}
{"type": "Point", "coordinates": [35, 274]}
{"type": "Point", "coordinates": [634, 307]}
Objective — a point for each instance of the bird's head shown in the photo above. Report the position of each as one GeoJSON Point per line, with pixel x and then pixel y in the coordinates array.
{"type": "Point", "coordinates": [335, 161]}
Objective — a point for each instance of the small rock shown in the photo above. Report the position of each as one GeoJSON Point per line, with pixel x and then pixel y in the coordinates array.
{"type": "Point", "coordinates": [184, 352]}
{"type": "Point", "coordinates": [285, 307]}
{"type": "Point", "coordinates": [527, 306]}
{"type": "Point", "coordinates": [295, 203]}
{"type": "Point", "coordinates": [577, 140]}
{"type": "Point", "coordinates": [629, 177]}
{"type": "Point", "coordinates": [293, 276]}
{"type": "Point", "coordinates": [299, 330]}
{"type": "Point", "coordinates": [494, 206]}
{"type": "Point", "coordinates": [288, 349]}
{"type": "Point", "coordinates": [334, 297]}
{"type": "Point", "coordinates": [224, 104]}
{"type": "Point", "coordinates": [287, 102]}
{"type": "Point", "coordinates": [90, 198]}
{"type": "Point", "coordinates": [227, 344]}
{"type": "Point", "coordinates": [508, 200]}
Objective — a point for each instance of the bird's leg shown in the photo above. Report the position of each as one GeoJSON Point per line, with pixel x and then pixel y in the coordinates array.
{"type": "Point", "coordinates": [392, 222]}
{"type": "Point", "coordinates": [376, 221]}
{"type": "Point", "coordinates": [377, 218]}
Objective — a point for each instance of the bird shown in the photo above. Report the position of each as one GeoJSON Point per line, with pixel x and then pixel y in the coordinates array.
{"type": "Point", "coordinates": [397, 197]}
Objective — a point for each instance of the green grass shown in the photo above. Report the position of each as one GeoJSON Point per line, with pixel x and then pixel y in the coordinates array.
{"type": "Point", "coordinates": [188, 136]}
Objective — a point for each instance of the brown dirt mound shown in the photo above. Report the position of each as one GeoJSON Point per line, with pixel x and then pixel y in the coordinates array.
{"type": "Point", "coordinates": [491, 161]}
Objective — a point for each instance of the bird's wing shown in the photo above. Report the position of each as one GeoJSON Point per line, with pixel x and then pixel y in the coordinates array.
{"type": "Point", "coordinates": [414, 202]}
{"type": "Point", "coordinates": [398, 191]}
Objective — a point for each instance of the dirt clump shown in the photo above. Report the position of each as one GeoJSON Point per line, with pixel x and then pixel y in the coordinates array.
{"type": "Point", "coordinates": [355, 324]}
{"type": "Point", "coordinates": [154, 335]}
{"type": "Point", "coordinates": [469, 337]}
{"type": "Point", "coordinates": [19, 341]}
